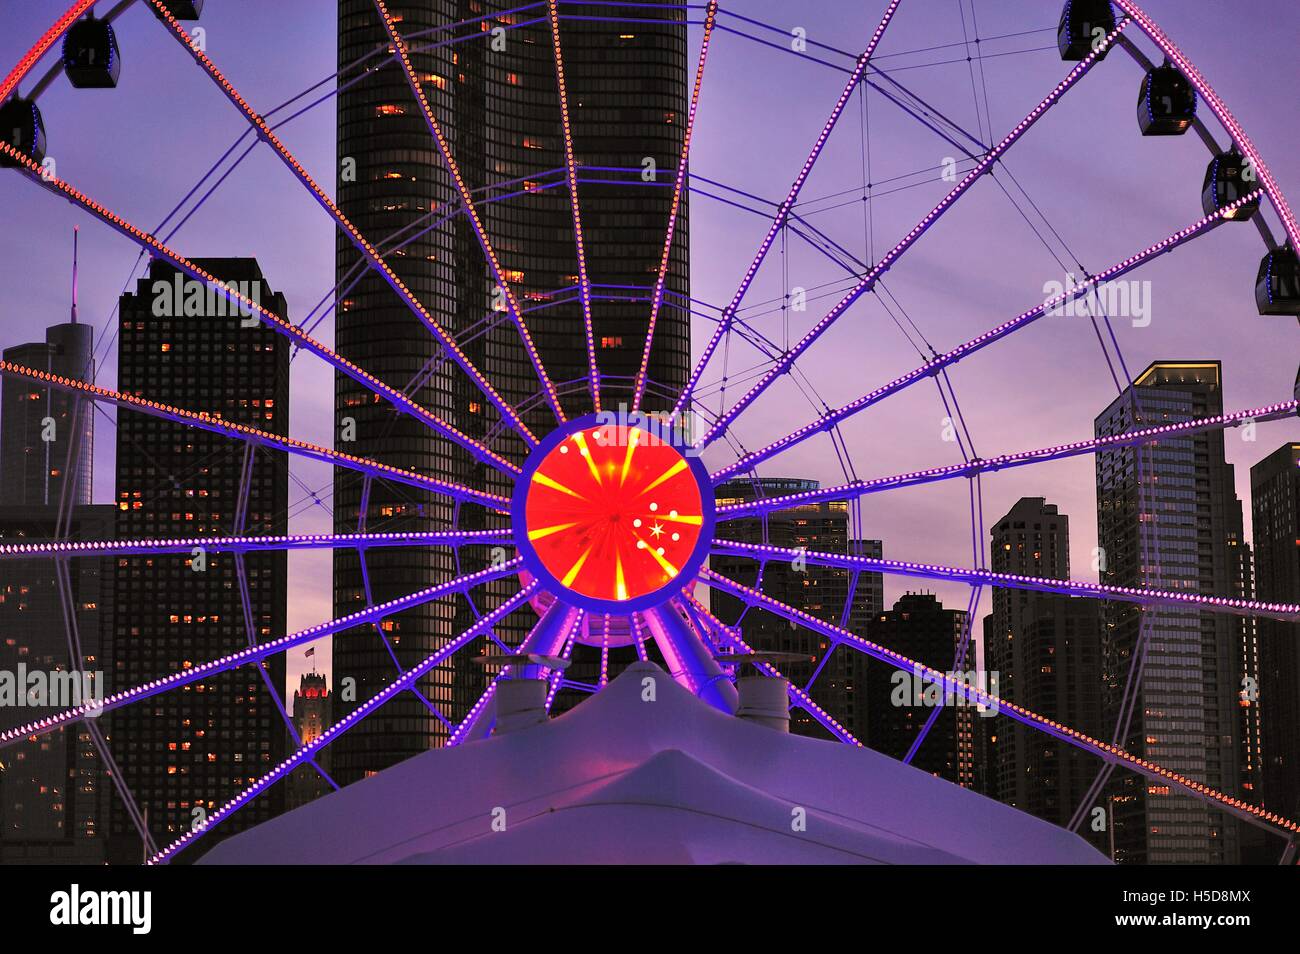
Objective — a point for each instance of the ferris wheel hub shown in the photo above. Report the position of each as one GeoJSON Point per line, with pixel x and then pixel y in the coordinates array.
{"type": "Point", "coordinates": [613, 516]}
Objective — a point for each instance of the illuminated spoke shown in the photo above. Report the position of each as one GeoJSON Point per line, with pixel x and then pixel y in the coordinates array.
{"type": "Point", "coordinates": [938, 363]}
{"type": "Point", "coordinates": [656, 298]}
{"type": "Point", "coordinates": [372, 255]}
{"type": "Point", "coordinates": [932, 571]}
{"type": "Point", "coordinates": [571, 170]}
{"type": "Point", "coordinates": [251, 544]}
{"type": "Point", "coordinates": [782, 212]}
{"type": "Point", "coordinates": [868, 280]}
{"type": "Point", "coordinates": [972, 694]}
{"type": "Point", "coordinates": [467, 200]}
{"type": "Point", "coordinates": [1147, 435]}
{"type": "Point", "coordinates": [308, 751]}
{"type": "Point", "coordinates": [243, 432]}
{"type": "Point", "coordinates": [252, 654]}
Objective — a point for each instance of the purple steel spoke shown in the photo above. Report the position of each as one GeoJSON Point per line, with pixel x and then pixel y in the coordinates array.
{"type": "Point", "coordinates": [934, 571]}
{"type": "Point", "coordinates": [938, 363]}
{"type": "Point", "coordinates": [376, 260]}
{"type": "Point", "coordinates": [972, 694]}
{"type": "Point", "coordinates": [557, 677]}
{"type": "Point", "coordinates": [247, 306]}
{"type": "Point", "coordinates": [657, 297]}
{"type": "Point", "coordinates": [869, 279]}
{"type": "Point", "coordinates": [252, 654]}
{"type": "Point", "coordinates": [489, 253]}
{"type": "Point", "coordinates": [308, 751]}
{"type": "Point", "coordinates": [729, 313]}
{"type": "Point", "coordinates": [247, 544]}
{"type": "Point", "coordinates": [243, 432]}
{"type": "Point", "coordinates": [571, 173]}
{"type": "Point", "coordinates": [1146, 435]}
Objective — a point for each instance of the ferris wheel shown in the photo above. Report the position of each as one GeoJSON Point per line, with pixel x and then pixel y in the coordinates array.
{"type": "Point", "coordinates": [613, 514]}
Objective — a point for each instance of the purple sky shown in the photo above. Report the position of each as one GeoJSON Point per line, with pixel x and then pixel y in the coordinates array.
{"type": "Point", "coordinates": [1106, 190]}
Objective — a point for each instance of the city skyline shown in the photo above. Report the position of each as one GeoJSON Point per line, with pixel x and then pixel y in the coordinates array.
{"type": "Point", "coordinates": [401, 432]}
{"type": "Point", "coordinates": [1252, 377]}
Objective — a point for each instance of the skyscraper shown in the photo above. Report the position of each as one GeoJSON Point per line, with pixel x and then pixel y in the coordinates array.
{"type": "Point", "coordinates": [832, 594]}
{"type": "Point", "coordinates": [1046, 652]}
{"type": "Point", "coordinates": [38, 425]}
{"type": "Point", "coordinates": [1177, 527]}
{"type": "Point", "coordinates": [899, 704]}
{"type": "Point", "coordinates": [492, 84]}
{"type": "Point", "coordinates": [52, 795]}
{"type": "Point", "coordinates": [312, 715]}
{"type": "Point", "coordinates": [191, 749]}
{"type": "Point", "coordinates": [1275, 500]}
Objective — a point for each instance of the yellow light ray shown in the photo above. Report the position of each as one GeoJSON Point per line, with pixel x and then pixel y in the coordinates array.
{"type": "Point", "coordinates": [633, 436]}
{"type": "Point", "coordinates": [545, 481]}
{"type": "Point", "coordinates": [659, 558]}
{"type": "Point", "coordinates": [576, 568]}
{"type": "Point", "coordinates": [673, 471]}
{"type": "Point", "coordinates": [682, 518]}
{"type": "Point", "coordinates": [547, 531]}
{"type": "Point", "coordinates": [581, 440]}
{"type": "Point", "coordinates": [620, 583]}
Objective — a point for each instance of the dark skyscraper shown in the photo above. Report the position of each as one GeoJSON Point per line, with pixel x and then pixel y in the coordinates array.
{"type": "Point", "coordinates": [900, 703]}
{"type": "Point", "coordinates": [1179, 528]}
{"type": "Point", "coordinates": [1046, 652]}
{"type": "Point", "coordinates": [38, 424]}
{"type": "Point", "coordinates": [1275, 498]}
{"type": "Point", "coordinates": [188, 751]}
{"type": "Point", "coordinates": [831, 594]}
{"type": "Point", "coordinates": [494, 91]}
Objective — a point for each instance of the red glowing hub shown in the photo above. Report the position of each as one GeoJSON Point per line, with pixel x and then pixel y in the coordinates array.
{"type": "Point", "coordinates": [613, 513]}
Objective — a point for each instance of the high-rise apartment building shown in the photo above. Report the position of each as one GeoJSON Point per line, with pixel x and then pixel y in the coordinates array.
{"type": "Point", "coordinates": [492, 83]}
{"type": "Point", "coordinates": [1169, 518]}
{"type": "Point", "coordinates": [1275, 501]}
{"type": "Point", "coordinates": [1045, 650]}
{"type": "Point", "coordinates": [831, 594]}
{"type": "Point", "coordinates": [189, 750]}
{"type": "Point", "coordinates": [899, 704]}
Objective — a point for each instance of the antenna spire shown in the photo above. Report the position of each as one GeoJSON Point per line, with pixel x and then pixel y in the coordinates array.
{"type": "Point", "coordinates": [74, 274]}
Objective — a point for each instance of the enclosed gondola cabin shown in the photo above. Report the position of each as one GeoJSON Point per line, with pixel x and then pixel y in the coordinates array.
{"type": "Point", "coordinates": [22, 128]}
{"type": "Point", "coordinates": [1084, 24]}
{"type": "Point", "coordinates": [1227, 179]}
{"type": "Point", "coordinates": [90, 55]}
{"type": "Point", "coordinates": [183, 9]}
{"type": "Point", "coordinates": [1277, 286]}
{"type": "Point", "coordinates": [1166, 103]}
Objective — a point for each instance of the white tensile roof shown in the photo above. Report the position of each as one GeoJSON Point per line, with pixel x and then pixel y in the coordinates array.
{"type": "Point", "coordinates": [670, 781]}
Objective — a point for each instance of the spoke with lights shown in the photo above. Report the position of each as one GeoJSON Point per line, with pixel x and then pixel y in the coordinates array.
{"type": "Point", "coordinates": [476, 222]}
{"type": "Point", "coordinates": [868, 281]}
{"type": "Point", "coordinates": [1112, 753]}
{"type": "Point", "coordinates": [762, 506]}
{"type": "Point", "coordinates": [657, 296]}
{"type": "Point", "coordinates": [1142, 596]}
{"type": "Point", "coordinates": [937, 364]}
{"type": "Point", "coordinates": [362, 245]}
{"type": "Point", "coordinates": [247, 306]}
{"type": "Point", "coordinates": [783, 211]}
{"type": "Point", "coordinates": [571, 173]}
{"type": "Point", "coordinates": [408, 679]}
{"type": "Point", "coordinates": [244, 432]}
{"type": "Point", "coordinates": [252, 654]}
